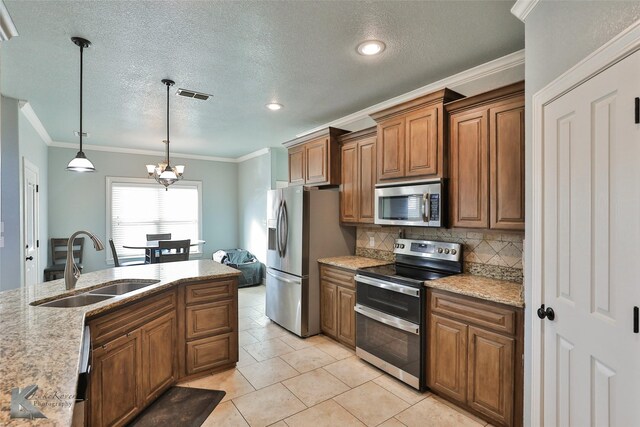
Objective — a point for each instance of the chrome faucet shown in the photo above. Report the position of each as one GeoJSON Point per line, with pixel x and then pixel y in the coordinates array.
{"type": "Point", "coordinates": [71, 270]}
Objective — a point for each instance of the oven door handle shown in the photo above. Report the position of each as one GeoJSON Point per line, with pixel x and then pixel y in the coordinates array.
{"type": "Point", "coordinates": [394, 287]}
{"type": "Point", "coordinates": [388, 320]}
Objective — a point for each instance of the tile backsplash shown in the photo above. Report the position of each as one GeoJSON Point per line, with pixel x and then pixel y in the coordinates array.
{"type": "Point", "coordinates": [485, 253]}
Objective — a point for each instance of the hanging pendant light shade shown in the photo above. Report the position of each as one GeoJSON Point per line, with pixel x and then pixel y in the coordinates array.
{"type": "Point", "coordinates": [80, 163]}
{"type": "Point", "coordinates": [163, 172]}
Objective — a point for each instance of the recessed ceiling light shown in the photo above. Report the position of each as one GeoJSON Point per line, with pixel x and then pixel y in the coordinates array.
{"type": "Point", "coordinates": [370, 47]}
{"type": "Point", "coordinates": [274, 106]}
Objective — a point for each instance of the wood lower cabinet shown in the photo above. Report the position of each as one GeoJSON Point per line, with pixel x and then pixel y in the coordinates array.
{"type": "Point", "coordinates": [487, 159]}
{"type": "Point", "coordinates": [474, 355]}
{"type": "Point", "coordinates": [358, 178]}
{"type": "Point", "coordinates": [315, 159]}
{"type": "Point", "coordinates": [143, 348]}
{"type": "Point", "coordinates": [337, 302]}
{"type": "Point", "coordinates": [411, 138]}
{"type": "Point", "coordinates": [115, 381]}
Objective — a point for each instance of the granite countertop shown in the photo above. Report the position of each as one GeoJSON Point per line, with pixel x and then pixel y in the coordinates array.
{"type": "Point", "coordinates": [500, 291]}
{"type": "Point", "coordinates": [41, 345]}
{"type": "Point", "coordinates": [353, 262]}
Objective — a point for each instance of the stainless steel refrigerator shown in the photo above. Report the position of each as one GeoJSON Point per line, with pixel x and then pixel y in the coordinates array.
{"type": "Point", "coordinates": [303, 225]}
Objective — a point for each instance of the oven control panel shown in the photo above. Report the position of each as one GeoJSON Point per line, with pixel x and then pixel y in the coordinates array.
{"type": "Point", "coordinates": [428, 248]}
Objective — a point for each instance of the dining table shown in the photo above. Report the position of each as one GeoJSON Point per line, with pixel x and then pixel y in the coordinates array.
{"type": "Point", "coordinates": [151, 249]}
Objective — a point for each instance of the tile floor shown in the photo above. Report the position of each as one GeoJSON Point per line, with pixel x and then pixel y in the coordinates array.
{"type": "Point", "coordinates": [285, 381]}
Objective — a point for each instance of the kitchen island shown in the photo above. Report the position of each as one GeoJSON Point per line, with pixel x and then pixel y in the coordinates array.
{"type": "Point", "coordinates": [41, 346]}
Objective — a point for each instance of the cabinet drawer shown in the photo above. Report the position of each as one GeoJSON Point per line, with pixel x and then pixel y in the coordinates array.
{"type": "Point", "coordinates": [338, 276]}
{"type": "Point", "coordinates": [209, 291]}
{"type": "Point", "coordinates": [123, 320]}
{"type": "Point", "coordinates": [487, 315]}
{"type": "Point", "coordinates": [209, 353]}
{"type": "Point", "coordinates": [209, 319]}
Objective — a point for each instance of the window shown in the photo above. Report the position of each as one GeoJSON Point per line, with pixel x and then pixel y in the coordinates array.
{"type": "Point", "coordinates": [137, 207]}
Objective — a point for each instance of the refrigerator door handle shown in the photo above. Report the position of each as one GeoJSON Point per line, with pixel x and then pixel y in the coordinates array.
{"type": "Point", "coordinates": [282, 278]}
{"type": "Point", "coordinates": [285, 223]}
{"type": "Point", "coordinates": [278, 227]}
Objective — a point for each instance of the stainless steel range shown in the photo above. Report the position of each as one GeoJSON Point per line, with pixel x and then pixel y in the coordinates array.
{"type": "Point", "coordinates": [391, 303]}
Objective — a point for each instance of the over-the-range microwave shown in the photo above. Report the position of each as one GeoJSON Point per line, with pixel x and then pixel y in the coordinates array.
{"type": "Point", "coordinates": [415, 204]}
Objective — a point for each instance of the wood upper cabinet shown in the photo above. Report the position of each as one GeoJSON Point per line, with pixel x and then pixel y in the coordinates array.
{"type": "Point", "coordinates": [337, 302]}
{"type": "Point", "coordinates": [296, 165]}
{"type": "Point", "coordinates": [315, 159]}
{"type": "Point", "coordinates": [487, 159]}
{"type": "Point", "coordinates": [116, 388]}
{"type": "Point", "coordinates": [474, 355]}
{"type": "Point", "coordinates": [158, 356]}
{"type": "Point", "coordinates": [358, 179]}
{"type": "Point", "coordinates": [411, 138]}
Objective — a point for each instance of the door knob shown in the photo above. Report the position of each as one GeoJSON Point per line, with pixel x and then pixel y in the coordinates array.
{"type": "Point", "coordinates": [29, 258]}
{"type": "Point", "coordinates": [548, 313]}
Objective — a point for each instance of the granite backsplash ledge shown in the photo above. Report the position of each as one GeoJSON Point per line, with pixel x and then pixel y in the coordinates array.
{"type": "Point", "coordinates": [491, 254]}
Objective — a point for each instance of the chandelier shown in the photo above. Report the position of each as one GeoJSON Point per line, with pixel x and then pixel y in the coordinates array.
{"type": "Point", "coordinates": [163, 172]}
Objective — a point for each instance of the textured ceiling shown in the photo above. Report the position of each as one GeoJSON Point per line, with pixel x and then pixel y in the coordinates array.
{"type": "Point", "coordinates": [299, 53]}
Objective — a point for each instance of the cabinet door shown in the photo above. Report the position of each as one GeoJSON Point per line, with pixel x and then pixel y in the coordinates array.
{"type": "Point", "coordinates": [469, 169]}
{"type": "Point", "coordinates": [422, 150]}
{"type": "Point", "coordinates": [391, 149]}
{"type": "Point", "coordinates": [506, 147]}
{"type": "Point", "coordinates": [448, 357]}
{"type": "Point", "coordinates": [328, 308]}
{"type": "Point", "coordinates": [317, 161]}
{"type": "Point", "coordinates": [366, 180]}
{"type": "Point", "coordinates": [212, 352]}
{"type": "Point", "coordinates": [346, 316]}
{"type": "Point", "coordinates": [491, 374]}
{"type": "Point", "coordinates": [158, 363]}
{"type": "Point", "coordinates": [296, 165]}
{"type": "Point", "coordinates": [349, 183]}
{"type": "Point", "coordinates": [115, 381]}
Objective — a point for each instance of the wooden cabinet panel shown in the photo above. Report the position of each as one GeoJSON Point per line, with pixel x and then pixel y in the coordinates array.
{"type": "Point", "coordinates": [366, 179]}
{"type": "Point", "coordinates": [328, 301]}
{"type": "Point", "coordinates": [296, 165]}
{"type": "Point", "coordinates": [317, 161]}
{"type": "Point", "coordinates": [481, 313]}
{"type": "Point", "coordinates": [209, 319]}
{"type": "Point", "coordinates": [391, 149]}
{"type": "Point", "coordinates": [469, 169]}
{"type": "Point", "coordinates": [346, 316]}
{"type": "Point", "coordinates": [506, 147]}
{"type": "Point", "coordinates": [208, 353]}
{"type": "Point", "coordinates": [349, 190]}
{"type": "Point", "coordinates": [422, 144]}
{"type": "Point", "coordinates": [112, 325]}
{"type": "Point", "coordinates": [115, 381]}
{"type": "Point", "coordinates": [209, 291]}
{"type": "Point", "coordinates": [158, 361]}
{"type": "Point", "coordinates": [491, 374]}
{"type": "Point", "coordinates": [448, 357]}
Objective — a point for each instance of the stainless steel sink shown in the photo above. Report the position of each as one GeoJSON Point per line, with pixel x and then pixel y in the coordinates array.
{"type": "Point", "coordinates": [122, 287]}
{"type": "Point", "coordinates": [76, 300]}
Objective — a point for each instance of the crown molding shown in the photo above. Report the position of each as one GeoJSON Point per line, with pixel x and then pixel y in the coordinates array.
{"type": "Point", "coordinates": [7, 27]}
{"type": "Point", "coordinates": [488, 68]}
{"type": "Point", "coordinates": [103, 148]}
{"type": "Point", "coordinates": [32, 117]}
{"type": "Point", "coordinates": [522, 8]}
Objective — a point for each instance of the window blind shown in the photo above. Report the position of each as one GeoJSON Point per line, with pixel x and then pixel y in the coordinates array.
{"type": "Point", "coordinates": [138, 209]}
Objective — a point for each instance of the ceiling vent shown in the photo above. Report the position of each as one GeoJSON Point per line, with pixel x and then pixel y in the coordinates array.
{"type": "Point", "coordinates": [193, 94]}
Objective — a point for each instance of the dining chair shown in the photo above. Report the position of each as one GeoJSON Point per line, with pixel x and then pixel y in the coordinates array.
{"type": "Point", "coordinates": [174, 250]}
{"type": "Point", "coordinates": [116, 261]}
{"type": "Point", "coordinates": [59, 257]}
{"type": "Point", "coordinates": [161, 236]}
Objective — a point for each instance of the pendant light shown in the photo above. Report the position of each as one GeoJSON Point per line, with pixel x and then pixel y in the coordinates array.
{"type": "Point", "coordinates": [164, 173]}
{"type": "Point", "coordinates": [80, 163]}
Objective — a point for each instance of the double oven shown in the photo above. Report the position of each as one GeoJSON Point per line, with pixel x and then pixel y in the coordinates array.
{"type": "Point", "coordinates": [391, 303]}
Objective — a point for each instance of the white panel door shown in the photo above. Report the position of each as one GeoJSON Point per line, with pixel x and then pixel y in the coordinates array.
{"type": "Point", "coordinates": [591, 252]}
{"type": "Point", "coordinates": [30, 223]}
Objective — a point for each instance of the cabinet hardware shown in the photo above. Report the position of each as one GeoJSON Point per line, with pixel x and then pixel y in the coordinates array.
{"type": "Point", "coordinates": [637, 110]}
{"type": "Point", "coordinates": [548, 313]}
{"type": "Point", "coordinates": [29, 258]}
{"type": "Point", "coordinates": [636, 320]}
